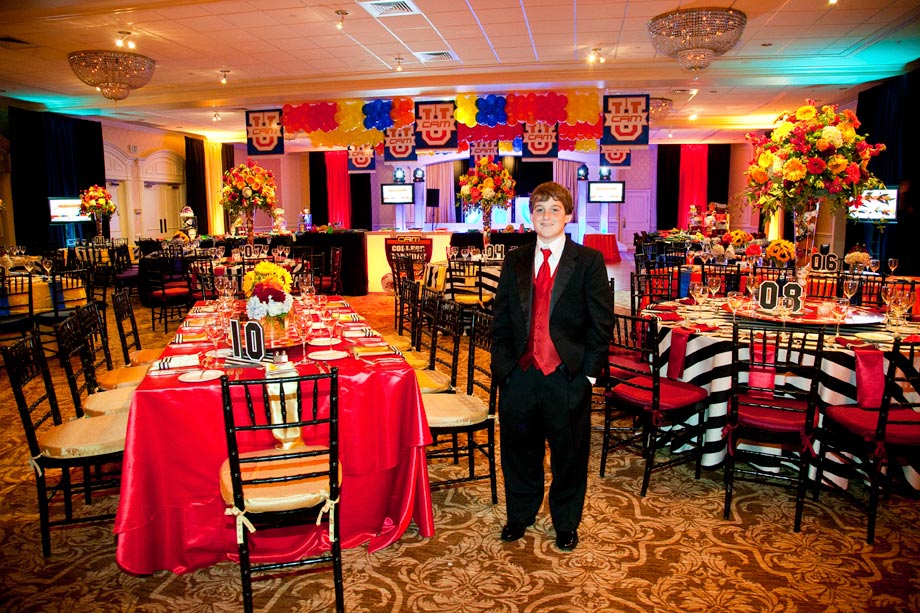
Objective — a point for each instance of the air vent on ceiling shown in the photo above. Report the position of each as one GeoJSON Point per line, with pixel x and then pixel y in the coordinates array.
{"type": "Point", "coordinates": [390, 8]}
{"type": "Point", "coordinates": [9, 42]}
{"type": "Point", "coordinates": [435, 56]}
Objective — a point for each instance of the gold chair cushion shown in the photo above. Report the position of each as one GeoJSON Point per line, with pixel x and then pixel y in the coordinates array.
{"type": "Point", "coordinates": [451, 410]}
{"type": "Point", "coordinates": [129, 376]}
{"type": "Point", "coordinates": [140, 357]}
{"type": "Point", "coordinates": [106, 403]}
{"type": "Point", "coordinates": [466, 299]}
{"type": "Point", "coordinates": [85, 438]}
{"type": "Point", "coordinates": [282, 496]}
{"type": "Point", "coordinates": [432, 382]}
{"type": "Point", "coordinates": [402, 343]}
{"type": "Point", "coordinates": [417, 360]}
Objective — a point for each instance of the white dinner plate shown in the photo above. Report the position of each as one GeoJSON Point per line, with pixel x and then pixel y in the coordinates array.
{"type": "Point", "coordinates": [328, 354]}
{"type": "Point", "coordinates": [323, 342]}
{"type": "Point", "coordinates": [875, 337]}
{"type": "Point", "coordinates": [223, 352]}
{"type": "Point", "coordinates": [200, 375]}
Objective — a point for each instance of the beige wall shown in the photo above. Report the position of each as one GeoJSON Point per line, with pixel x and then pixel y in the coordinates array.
{"type": "Point", "coordinates": [145, 140]}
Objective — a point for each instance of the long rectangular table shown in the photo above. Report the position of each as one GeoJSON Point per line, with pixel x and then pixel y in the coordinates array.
{"type": "Point", "coordinates": [171, 515]}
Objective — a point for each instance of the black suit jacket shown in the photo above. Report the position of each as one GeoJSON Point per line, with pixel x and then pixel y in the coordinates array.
{"type": "Point", "coordinates": [581, 310]}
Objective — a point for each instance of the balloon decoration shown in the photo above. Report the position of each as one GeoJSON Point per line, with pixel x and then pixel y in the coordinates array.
{"type": "Point", "coordinates": [479, 117]}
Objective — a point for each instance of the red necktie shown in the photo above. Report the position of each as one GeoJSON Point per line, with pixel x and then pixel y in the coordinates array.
{"type": "Point", "coordinates": [544, 352]}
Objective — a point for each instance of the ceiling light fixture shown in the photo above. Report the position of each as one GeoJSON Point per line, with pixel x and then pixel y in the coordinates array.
{"type": "Point", "coordinates": [223, 76]}
{"type": "Point", "coordinates": [216, 116]}
{"type": "Point", "coordinates": [341, 13]}
{"type": "Point", "coordinates": [695, 36]}
{"type": "Point", "coordinates": [659, 108]}
{"type": "Point", "coordinates": [595, 56]}
{"type": "Point", "coordinates": [399, 60]}
{"type": "Point", "coordinates": [124, 40]}
{"type": "Point", "coordinates": [114, 73]}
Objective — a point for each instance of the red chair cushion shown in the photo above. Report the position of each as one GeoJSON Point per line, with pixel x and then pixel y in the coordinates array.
{"type": "Point", "coordinates": [863, 422]}
{"type": "Point", "coordinates": [674, 394]}
{"type": "Point", "coordinates": [769, 419]}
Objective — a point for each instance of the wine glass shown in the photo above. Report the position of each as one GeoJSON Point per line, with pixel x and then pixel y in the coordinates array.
{"type": "Point", "coordinates": [697, 290]}
{"type": "Point", "coordinates": [329, 320]}
{"type": "Point", "coordinates": [892, 264]}
{"type": "Point", "coordinates": [850, 287]}
{"type": "Point", "coordinates": [47, 264]}
{"type": "Point", "coordinates": [886, 293]}
{"type": "Point", "coordinates": [714, 284]}
{"type": "Point", "coordinates": [453, 252]}
{"type": "Point", "coordinates": [465, 253]}
{"type": "Point", "coordinates": [303, 326]}
{"type": "Point", "coordinates": [705, 255]}
{"type": "Point", "coordinates": [785, 306]}
{"type": "Point", "coordinates": [307, 291]}
{"type": "Point", "coordinates": [839, 312]}
{"type": "Point", "coordinates": [29, 264]}
{"type": "Point", "coordinates": [735, 300]}
{"type": "Point", "coordinates": [874, 265]}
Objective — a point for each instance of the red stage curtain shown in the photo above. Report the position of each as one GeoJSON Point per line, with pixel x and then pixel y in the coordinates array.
{"type": "Point", "coordinates": [693, 181]}
{"type": "Point", "coordinates": [339, 188]}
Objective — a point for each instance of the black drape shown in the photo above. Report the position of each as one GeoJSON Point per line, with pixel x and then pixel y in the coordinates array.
{"type": "Point", "coordinates": [196, 191]}
{"type": "Point", "coordinates": [887, 115]}
{"type": "Point", "coordinates": [360, 200]}
{"type": "Point", "coordinates": [51, 155]}
{"type": "Point", "coordinates": [718, 165]}
{"type": "Point", "coordinates": [668, 186]}
{"type": "Point", "coordinates": [226, 163]}
{"type": "Point", "coordinates": [319, 190]}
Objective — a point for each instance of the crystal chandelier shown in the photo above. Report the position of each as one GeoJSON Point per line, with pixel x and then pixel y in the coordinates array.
{"type": "Point", "coordinates": [114, 73]}
{"type": "Point", "coordinates": [658, 108]}
{"type": "Point", "coordinates": [695, 36]}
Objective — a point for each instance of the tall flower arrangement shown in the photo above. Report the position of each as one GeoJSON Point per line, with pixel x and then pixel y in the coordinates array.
{"type": "Point", "coordinates": [812, 156]}
{"type": "Point", "coordinates": [248, 187]}
{"type": "Point", "coordinates": [486, 185]}
{"type": "Point", "coordinates": [97, 201]}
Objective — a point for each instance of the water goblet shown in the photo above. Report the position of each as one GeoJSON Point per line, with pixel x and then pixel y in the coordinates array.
{"type": "Point", "coordinates": [839, 311]}
{"type": "Point", "coordinates": [29, 264]}
{"type": "Point", "coordinates": [697, 290]}
{"type": "Point", "coordinates": [329, 320]}
{"type": "Point", "coordinates": [850, 287]}
{"type": "Point", "coordinates": [886, 293]}
{"type": "Point", "coordinates": [453, 252]}
{"type": "Point", "coordinates": [874, 265]}
{"type": "Point", "coordinates": [307, 291]}
{"type": "Point", "coordinates": [785, 306]}
{"type": "Point", "coordinates": [303, 326]}
{"type": "Point", "coordinates": [285, 251]}
{"type": "Point", "coordinates": [735, 300]}
{"type": "Point", "coordinates": [465, 253]}
{"type": "Point", "coordinates": [705, 255]}
{"type": "Point", "coordinates": [47, 264]}
{"type": "Point", "coordinates": [892, 264]}
{"type": "Point", "coordinates": [713, 284]}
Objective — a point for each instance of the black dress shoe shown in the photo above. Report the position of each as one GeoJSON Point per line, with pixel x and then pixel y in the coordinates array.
{"type": "Point", "coordinates": [566, 540]}
{"type": "Point", "coordinates": [512, 532]}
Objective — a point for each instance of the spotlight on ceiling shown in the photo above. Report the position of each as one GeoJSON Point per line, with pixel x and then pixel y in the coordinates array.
{"type": "Point", "coordinates": [399, 61]}
{"type": "Point", "coordinates": [341, 13]}
{"type": "Point", "coordinates": [695, 36]}
{"type": "Point", "coordinates": [595, 56]}
{"type": "Point", "coordinates": [124, 40]}
{"type": "Point", "coordinates": [216, 116]}
{"type": "Point", "coordinates": [223, 76]}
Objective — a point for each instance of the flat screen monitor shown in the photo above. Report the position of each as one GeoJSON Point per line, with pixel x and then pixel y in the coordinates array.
{"type": "Point", "coordinates": [397, 193]}
{"type": "Point", "coordinates": [66, 210]}
{"type": "Point", "coordinates": [878, 205]}
{"type": "Point", "coordinates": [606, 191]}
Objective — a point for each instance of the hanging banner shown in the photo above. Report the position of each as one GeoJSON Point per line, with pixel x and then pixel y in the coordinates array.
{"type": "Point", "coordinates": [539, 140]}
{"type": "Point", "coordinates": [435, 126]}
{"type": "Point", "coordinates": [361, 159]}
{"type": "Point", "coordinates": [613, 155]}
{"type": "Point", "coordinates": [625, 120]}
{"type": "Point", "coordinates": [483, 149]}
{"type": "Point", "coordinates": [399, 144]}
{"type": "Point", "coordinates": [264, 133]}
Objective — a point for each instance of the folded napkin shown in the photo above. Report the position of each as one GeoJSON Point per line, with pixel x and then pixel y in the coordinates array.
{"type": "Point", "coordinates": [851, 343]}
{"type": "Point", "coordinates": [911, 340]}
{"type": "Point", "coordinates": [687, 301]}
{"type": "Point", "coordinates": [870, 376]}
{"type": "Point", "coordinates": [678, 351]}
{"type": "Point", "coordinates": [190, 337]}
{"type": "Point", "coordinates": [203, 309]}
{"type": "Point", "coordinates": [361, 334]}
{"type": "Point", "coordinates": [337, 304]}
{"type": "Point", "coordinates": [663, 307]}
{"type": "Point", "coordinates": [362, 352]}
{"type": "Point", "coordinates": [350, 317]}
{"type": "Point", "coordinates": [175, 361]}
{"type": "Point", "coordinates": [666, 316]}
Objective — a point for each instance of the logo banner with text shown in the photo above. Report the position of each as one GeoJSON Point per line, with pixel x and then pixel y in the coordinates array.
{"type": "Point", "coordinates": [435, 126]}
{"type": "Point", "coordinates": [625, 120]}
{"type": "Point", "coordinates": [264, 132]}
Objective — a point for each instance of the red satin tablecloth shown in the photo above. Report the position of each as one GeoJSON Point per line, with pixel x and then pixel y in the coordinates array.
{"type": "Point", "coordinates": [171, 515]}
{"type": "Point", "coordinates": [606, 244]}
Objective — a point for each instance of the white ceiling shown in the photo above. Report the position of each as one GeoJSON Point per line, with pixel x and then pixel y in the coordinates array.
{"type": "Point", "coordinates": [290, 51]}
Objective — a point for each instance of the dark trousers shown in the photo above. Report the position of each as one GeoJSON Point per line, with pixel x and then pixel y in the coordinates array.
{"type": "Point", "coordinates": [534, 409]}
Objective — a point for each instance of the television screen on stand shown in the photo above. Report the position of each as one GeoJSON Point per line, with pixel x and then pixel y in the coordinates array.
{"type": "Point", "coordinates": [609, 192]}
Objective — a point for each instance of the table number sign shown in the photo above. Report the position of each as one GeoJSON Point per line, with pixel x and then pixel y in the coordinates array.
{"type": "Point", "coordinates": [824, 262]}
{"type": "Point", "coordinates": [769, 293]}
{"type": "Point", "coordinates": [248, 340]}
{"type": "Point", "coordinates": [495, 252]}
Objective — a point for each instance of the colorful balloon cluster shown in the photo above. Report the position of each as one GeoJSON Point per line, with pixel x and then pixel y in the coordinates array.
{"type": "Point", "coordinates": [485, 117]}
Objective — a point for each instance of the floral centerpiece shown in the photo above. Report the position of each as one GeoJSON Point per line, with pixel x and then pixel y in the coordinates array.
{"type": "Point", "coordinates": [737, 238]}
{"type": "Point", "coordinates": [812, 156]}
{"type": "Point", "coordinates": [97, 201]}
{"type": "Point", "coordinates": [857, 255]}
{"type": "Point", "coordinates": [486, 185]}
{"type": "Point", "coordinates": [267, 288]}
{"type": "Point", "coordinates": [248, 187]}
{"type": "Point", "coordinates": [780, 251]}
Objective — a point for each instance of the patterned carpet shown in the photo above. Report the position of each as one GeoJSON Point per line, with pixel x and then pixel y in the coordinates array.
{"type": "Point", "coordinates": [669, 551]}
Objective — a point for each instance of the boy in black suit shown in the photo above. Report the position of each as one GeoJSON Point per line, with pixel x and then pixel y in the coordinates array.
{"type": "Point", "coordinates": [552, 316]}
